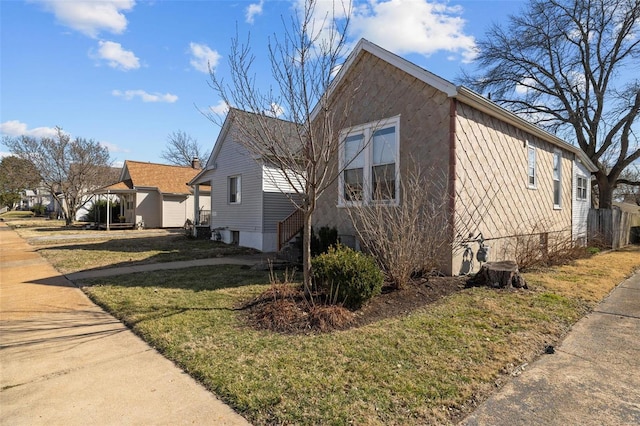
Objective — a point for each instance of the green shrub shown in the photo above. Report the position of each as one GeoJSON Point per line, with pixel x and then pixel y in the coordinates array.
{"type": "Point", "coordinates": [347, 276]}
{"type": "Point", "coordinates": [38, 209]}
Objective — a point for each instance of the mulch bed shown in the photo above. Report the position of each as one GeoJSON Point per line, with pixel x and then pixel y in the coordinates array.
{"type": "Point", "coordinates": [285, 309]}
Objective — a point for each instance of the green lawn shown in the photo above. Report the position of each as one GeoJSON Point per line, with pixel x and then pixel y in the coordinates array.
{"type": "Point", "coordinates": [428, 367]}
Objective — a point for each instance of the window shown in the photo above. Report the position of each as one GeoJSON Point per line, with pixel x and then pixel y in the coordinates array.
{"type": "Point", "coordinates": [531, 170]}
{"type": "Point", "coordinates": [557, 180]}
{"type": "Point", "coordinates": [369, 160]}
{"type": "Point", "coordinates": [354, 167]}
{"type": "Point", "coordinates": [234, 189]}
{"type": "Point", "coordinates": [581, 188]}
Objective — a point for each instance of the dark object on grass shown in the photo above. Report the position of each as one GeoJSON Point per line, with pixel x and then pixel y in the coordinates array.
{"type": "Point", "coordinates": [503, 274]}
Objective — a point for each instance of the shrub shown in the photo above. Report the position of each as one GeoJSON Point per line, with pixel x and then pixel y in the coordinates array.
{"type": "Point", "coordinates": [348, 276]}
{"type": "Point", "coordinates": [38, 209]}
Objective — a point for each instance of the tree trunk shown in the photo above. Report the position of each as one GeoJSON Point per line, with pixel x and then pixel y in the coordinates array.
{"type": "Point", "coordinates": [502, 274]}
{"type": "Point", "coordinates": [605, 191]}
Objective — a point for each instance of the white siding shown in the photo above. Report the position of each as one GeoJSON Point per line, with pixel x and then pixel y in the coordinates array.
{"type": "Point", "coordinates": [246, 216]}
{"type": "Point", "coordinates": [275, 180]}
{"type": "Point", "coordinates": [580, 207]}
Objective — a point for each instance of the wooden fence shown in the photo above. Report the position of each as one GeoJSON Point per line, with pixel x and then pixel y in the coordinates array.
{"type": "Point", "coordinates": [609, 227]}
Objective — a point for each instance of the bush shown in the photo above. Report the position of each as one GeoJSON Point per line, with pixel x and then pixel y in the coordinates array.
{"type": "Point", "coordinates": [347, 276]}
{"type": "Point", "coordinates": [98, 212]}
{"type": "Point", "coordinates": [38, 209]}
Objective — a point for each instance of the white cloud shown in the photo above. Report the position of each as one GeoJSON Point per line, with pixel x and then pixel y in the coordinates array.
{"type": "Point", "coordinates": [275, 111]}
{"type": "Point", "coordinates": [144, 96]}
{"type": "Point", "coordinates": [413, 26]}
{"type": "Point", "coordinates": [116, 56]}
{"type": "Point", "coordinates": [202, 57]}
{"type": "Point", "coordinates": [221, 108]}
{"type": "Point", "coordinates": [16, 128]}
{"type": "Point", "coordinates": [252, 10]}
{"type": "Point", "coordinates": [526, 85]}
{"type": "Point", "coordinates": [91, 17]}
{"type": "Point", "coordinates": [113, 147]}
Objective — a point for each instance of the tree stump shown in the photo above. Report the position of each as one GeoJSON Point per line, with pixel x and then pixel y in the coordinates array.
{"type": "Point", "coordinates": [503, 274]}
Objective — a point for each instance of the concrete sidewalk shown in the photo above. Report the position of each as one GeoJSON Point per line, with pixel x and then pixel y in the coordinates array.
{"type": "Point", "coordinates": [63, 360]}
{"type": "Point", "coordinates": [592, 379]}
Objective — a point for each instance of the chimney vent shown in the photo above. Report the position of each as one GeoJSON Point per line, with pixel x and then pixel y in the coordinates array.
{"type": "Point", "coordinates": [195, 163]}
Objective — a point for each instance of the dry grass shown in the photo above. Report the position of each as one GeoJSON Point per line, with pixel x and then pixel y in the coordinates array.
{"type": "Point", "coordinates": [589, 279]}
{"type": "Point", "coordinates": [427, 367]}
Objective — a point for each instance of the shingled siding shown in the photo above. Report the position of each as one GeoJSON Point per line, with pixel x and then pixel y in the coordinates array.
{"type": "Point", "coordinates": [492, 193]}
{"type": "Point", "coordinates": [375, 90]}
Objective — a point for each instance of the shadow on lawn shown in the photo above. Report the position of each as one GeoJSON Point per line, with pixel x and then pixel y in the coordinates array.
{"type": "Point", "coordinates": [166, 248]}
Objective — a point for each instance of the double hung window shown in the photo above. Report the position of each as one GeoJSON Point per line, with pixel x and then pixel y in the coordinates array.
{"type": "Point", "coordinates": [369, 163]}
{"type": "Point", "coordinates": [234, 189]}
{"type": "Point", "coordinates": [557, 180]}
{"type": "Point", "coordinates": [531, 169]}
{"type": "Point", "coordinates": [581, 188]}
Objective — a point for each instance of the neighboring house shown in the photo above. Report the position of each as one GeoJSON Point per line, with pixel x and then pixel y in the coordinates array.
{"type": "Point", "coordinates": [249, 196]}
{"type": "Point", "coordinates": [156, 195]}
{"type": "Point", "coordinates": [505, 178]}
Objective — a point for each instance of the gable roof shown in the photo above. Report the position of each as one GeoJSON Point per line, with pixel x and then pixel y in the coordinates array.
{"type": "Point", "coordinates": [165, 178]}
{"type": "Point", "coordinates": [461, 93]}
{"type": "Point", "coordinates": [252, 121]}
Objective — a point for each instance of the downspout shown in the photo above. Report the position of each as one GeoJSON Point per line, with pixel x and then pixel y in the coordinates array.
{"type": "Point", "coordinates": [452, 176]}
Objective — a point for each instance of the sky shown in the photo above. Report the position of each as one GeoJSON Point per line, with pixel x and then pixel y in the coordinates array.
{"type": "Point", "coordinates": [129, 73]}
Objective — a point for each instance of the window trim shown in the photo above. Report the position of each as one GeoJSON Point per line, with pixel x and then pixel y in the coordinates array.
{"type": "Point", "coordinates": [368, 129]}
{"type": "Point", "coordinates": [557, 154]}
{"type": "Point", "coordinates": [238, 189]}
{"type": "Point", "coordinates": [532, 150]}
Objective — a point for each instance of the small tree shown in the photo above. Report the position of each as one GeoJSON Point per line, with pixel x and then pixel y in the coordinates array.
{"type": "Point", "coordinates": [181, 149]}
{"type": "Point", "coordinates": [69, 169]}
{"type": "Point", "coordinates": [303, 63]}
{"type": "Point", "coordinates": [16, 176]}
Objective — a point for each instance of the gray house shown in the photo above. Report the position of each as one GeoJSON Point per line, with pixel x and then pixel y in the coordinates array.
{"type": "Point", "coordinates": [249, 195]}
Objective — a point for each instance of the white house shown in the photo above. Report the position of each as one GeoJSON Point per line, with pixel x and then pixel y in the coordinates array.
{"type": "Point", "coordinates": [249, 196]}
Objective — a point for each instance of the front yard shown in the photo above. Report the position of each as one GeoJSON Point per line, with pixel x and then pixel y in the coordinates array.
{"type": "Point", "coordinates": [429, 363]}
{"type": "Point", "coordinates": [429, 366]}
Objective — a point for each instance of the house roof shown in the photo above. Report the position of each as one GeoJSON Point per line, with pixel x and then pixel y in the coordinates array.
{"type": "Point", "coordinates": [252, 123]}
{"type": "Point", "coordinates": [460, 93]}
{"type": "Point", "coordinates": [165, 178]}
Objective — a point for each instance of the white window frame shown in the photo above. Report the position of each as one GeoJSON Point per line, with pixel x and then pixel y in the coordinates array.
{"type": "Point", "coordinates": [368, 130]}
{"type": "Point", "coordinates": [238, 189]}
{"type": "Point", "coordinates": [580, 190]}
{"type": "Point", "coordinates": [557, 177]}
{"type": "Point", "coordinates": [532, 171]}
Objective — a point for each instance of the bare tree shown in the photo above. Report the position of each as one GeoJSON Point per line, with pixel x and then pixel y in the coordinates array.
{"type": "Point", "coordinates": [572, 66]}
{"type": "Point", "coordinates": [16, 176]}
{"type": "Point", "coordinates": [182, 148]}
{"type": "Point", "coordinates": [303, 61]}
{"type": "Point", "coordinates": [69, 169]}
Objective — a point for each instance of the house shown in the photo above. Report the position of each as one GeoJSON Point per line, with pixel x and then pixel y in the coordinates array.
{"type": "Point", "coordinates": [506, 179]}
{"type": "Point", "coordinates": [249, 195]}
{"type": "Point", "coordinates": [157, 195]}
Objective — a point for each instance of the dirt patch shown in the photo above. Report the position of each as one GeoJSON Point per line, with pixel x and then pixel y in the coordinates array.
{"type": "Point", "coordinates": [285, 309]}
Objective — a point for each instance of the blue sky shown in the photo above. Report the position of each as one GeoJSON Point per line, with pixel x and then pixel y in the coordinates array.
{"type": "Point", "coordinates": [127, 74]}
